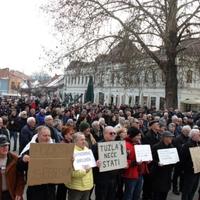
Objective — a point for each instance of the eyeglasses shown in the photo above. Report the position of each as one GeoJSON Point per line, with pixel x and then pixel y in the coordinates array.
{"type": "Point", "coordinates": [112, 133]}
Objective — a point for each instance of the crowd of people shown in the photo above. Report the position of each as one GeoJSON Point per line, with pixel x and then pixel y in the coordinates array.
{"type": "Point", "coordinates": [85, 125]}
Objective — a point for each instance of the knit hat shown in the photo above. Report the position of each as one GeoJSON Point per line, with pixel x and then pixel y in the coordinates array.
{"type": "Point", "coordinates": [132, 132]}
{"type": "Point", "coordinates": [83, 126]}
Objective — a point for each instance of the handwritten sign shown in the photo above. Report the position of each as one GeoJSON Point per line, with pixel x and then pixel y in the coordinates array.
{"type": "Point", "coordinates": [143, 153]}
{"type": "Point", "coordinates": [50, 163]}
{"type": "Point", "coordinates": [168, 156]}
{"type": "Point", "coordinates": [112, 155]}
{"type": "Point", "coordinates": [195, 152]}
{"type": "Point", "coordinates": [84, 159]}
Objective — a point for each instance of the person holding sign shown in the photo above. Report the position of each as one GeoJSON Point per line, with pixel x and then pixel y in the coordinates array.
{"type": "Point", "coordinates": [37, 192]}
{"type": "Point", "coordinates": [133, 175]}
{"type": "Point", "coordinates": [82, 179]}
{"type": "Point", "coordinates": [106, 182]}
{"type": "Point", "coordinates": [190, 179]}
{"type": "Point", "coordinates": [161, 174]}
{"type": "Point", "coordinates": [12, 181]}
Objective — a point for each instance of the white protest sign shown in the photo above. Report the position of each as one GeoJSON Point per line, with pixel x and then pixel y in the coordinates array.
{"type": "Point", "coordinates": [195, 152]}
{"type": "Point", "coordinates": [84, 159]}
{"type": "Point", "coordinates": [143, 153]}
{"type": "Point", "coordinates": [112, 155]}
{"type": "Point", "coordinates": [168, 156]}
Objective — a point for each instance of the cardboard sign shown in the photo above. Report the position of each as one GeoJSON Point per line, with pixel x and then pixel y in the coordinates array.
{"type": "Point", "coordinates": [112, 155]}
{"type": "Point", "coordinates": [50, 163]}
{"type": "Point", "coordinates": [143, 153]}
{"type": "Point", "coordinates": [195, 155]}
{"type": "Point", "coordinates": [168, 156]}
{"type": "Point", "coordinates": [84, 159]}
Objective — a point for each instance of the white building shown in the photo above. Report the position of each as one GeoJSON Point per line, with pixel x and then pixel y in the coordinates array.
{"type": "Point", "coordinates": [116, 83]}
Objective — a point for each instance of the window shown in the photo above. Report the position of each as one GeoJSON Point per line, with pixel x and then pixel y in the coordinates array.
{"type": "Point", "coordinates": [82, 79]}
{"type": "Point", "coordinates": [153, 101]}
{"type": "Point", "coordinates": [137, 100]}
{"type": "Point", "coordinates": [189, 76]}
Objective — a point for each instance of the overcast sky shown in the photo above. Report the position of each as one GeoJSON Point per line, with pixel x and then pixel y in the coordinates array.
{"type": "Point", "coordinates": [24, 30]}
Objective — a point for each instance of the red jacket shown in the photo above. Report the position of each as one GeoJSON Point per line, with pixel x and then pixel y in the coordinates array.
{"type": "Point", "coordinates": [134, 170]}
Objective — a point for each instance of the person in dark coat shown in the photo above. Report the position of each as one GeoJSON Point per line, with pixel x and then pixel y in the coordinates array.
{"type": "Point", "coordinates": [44, 191]}
{"type": "Point", "coordinates": [22, 120]}
{"type": "Point", "coordinates": [178, 142]}
{"type": "Point", "coordinates": [27, 133]}
{"type": "Point", "coordinates": [49, 123]}
{"type": "Point", "coordinates": [12, 181]}
{"type": "Point", "coordinates": [106, 182]}
{"type": "Point", "coordinates": [13, 127]}
{"type": "Point", "coordinates": [190, 179]}
{"type": "Point", "coordinates": [161, 174]}
{"type": "Point", "coordinates": [151, 137]}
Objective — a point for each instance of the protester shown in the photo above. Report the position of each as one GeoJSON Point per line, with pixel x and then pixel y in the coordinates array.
{"type": "Point", "coordinates": [37, 192]}
{"type": "Point", "coordinates": [12, 181]}
{"type": "Point", "coordinates": [152, 137]}
{"type": "Point", "coordinates": [161, 174]}
{"type": "Point", "coordinates": [27, 133]}
{"type": "Point", "coordinates": [178, 142]}
{"type": "Point", "coordinates": [133, 174]}
{"type": "Point", "coordinates": [49, 123]}
{"type": "Point", "coordinates": [190, 179]}
{"type": "Point", "coordinates": [84, 127]}
{"type": "Point", "coordinates": [82, 180]}
{"type": "Point", "coordinates": [67, 133]}
{"type": "Point", "coordinates": [105, 182]}
{"type": "Point", "coordinates": [13, 127]}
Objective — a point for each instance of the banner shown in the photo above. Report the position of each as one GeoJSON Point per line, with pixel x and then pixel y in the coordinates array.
{"type": "Point", "coordinates": [112, 155]}
{"type": "Point", "coordinates": [50, 163]}
{"type": "Point", "coordinates": [84, 159]}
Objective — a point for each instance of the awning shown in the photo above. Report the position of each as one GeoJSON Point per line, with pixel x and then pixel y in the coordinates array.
{"type": "Point", "coordinates": [191, 101]}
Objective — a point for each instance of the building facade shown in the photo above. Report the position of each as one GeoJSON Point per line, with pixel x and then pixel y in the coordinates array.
{"type": "Point", "coordinates": [140, 84]}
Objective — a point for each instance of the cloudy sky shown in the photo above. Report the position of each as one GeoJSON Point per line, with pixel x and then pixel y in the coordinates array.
{"type": "Point", "coordinates": [24, 31]}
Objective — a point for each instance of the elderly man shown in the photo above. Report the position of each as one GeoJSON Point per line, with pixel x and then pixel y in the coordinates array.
{"type": "Point", "coordinates": [178, 142]}
{"type": "Point", "coordinates": [12, 181]}
{"type": "Point", "coordinates": [190, 179]}
{"type": "Point", "coordinates": [82, 180]}
{"type": "Point", "coordinates": [106, 182]}
{"type": "Point", "coordinates": [37, 192]}
{"type": "Point", "coordinates": [49, 123]}
{"type": "Point", "coordinates": [27, 133]}
{"type": "Point", "coordinates": [152, 137]}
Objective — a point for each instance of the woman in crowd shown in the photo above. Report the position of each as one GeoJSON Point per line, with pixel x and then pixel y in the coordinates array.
{"type": "Point", "coordinates": [133, 175]}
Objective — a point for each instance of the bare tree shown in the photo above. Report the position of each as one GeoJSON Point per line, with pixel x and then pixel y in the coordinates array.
{"type": "Point", "coordinates": [151, 24]}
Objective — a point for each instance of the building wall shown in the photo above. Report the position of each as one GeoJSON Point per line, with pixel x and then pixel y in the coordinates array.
{"type": "Point", "coordinates": [108, 87]}
{"type": "Point", "coordinates": [4, 86]}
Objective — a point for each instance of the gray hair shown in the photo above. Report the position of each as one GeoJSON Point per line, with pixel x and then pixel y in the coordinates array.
{"type": "Point", "coordinates": [48, 117]}
{"type": "Point", "coordinates": [76, 136]}
{"type": "Point", "coordinates": [39, 129]}
{"type": "Point", "coordinates": [186, 128]}
{"type": "Point", "coordinates": [30, 119]}
{"type": "Point", "coordinates": [94, 124]}
{"type": "Point", "coordinates": [193, 132]}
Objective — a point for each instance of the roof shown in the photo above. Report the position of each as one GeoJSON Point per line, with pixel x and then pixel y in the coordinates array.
{"type": "Point", "coordinates": [58, 81]}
